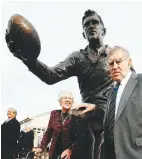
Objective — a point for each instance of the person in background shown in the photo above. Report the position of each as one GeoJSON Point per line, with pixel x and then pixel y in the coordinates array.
{"type": "Point", "coordinates": [10, 131]}
{"type": "Point", "coordinates": [26, 141]}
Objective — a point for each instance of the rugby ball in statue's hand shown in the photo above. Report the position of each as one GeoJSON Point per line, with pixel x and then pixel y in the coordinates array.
{"type": "Point", "coordinates": [22, 38]}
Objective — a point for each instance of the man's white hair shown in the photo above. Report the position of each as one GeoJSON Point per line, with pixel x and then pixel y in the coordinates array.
{"type": "Point", "coordinates": [119, 48]}
{"type": "Point", "coordinates": [65, 94]}
{"type": "Point", "coordinates": [13, 110]}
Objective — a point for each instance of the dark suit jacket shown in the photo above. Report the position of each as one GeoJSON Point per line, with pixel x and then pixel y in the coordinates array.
{"type": "Point", "coordinates": [128, 122]}
{"type": "Point", "coordinates": [26, 141]}
{"type": "Point", "coordinates": [9, 135]}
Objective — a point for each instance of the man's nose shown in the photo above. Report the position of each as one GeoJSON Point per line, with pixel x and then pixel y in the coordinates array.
{"type": "Point", "coordinates": [115, 65]}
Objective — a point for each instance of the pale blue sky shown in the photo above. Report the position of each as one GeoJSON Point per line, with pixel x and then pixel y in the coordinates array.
{"type": "Point", "coordinates": [60, 30]}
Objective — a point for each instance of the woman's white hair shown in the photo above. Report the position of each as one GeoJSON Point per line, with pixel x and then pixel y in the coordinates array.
{"type": "Point", "coordinates": [65, 94]}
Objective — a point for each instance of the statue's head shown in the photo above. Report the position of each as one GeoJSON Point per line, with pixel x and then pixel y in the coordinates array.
{"type": "Point", "coordinates": [93, 26]}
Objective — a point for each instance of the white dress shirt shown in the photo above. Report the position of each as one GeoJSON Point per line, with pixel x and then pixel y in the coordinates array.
{"type": "Point", "coordinates": [120, 90]}
{"type": "Point", "coordinates": [8, 120]}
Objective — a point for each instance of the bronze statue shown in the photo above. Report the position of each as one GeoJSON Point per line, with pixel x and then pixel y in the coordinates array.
{"type": "Point", "coordinates": [89, 65]}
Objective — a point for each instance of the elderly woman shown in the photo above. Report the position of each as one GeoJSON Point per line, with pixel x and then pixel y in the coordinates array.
{"type": "Point", "coordinates": [58, 130]}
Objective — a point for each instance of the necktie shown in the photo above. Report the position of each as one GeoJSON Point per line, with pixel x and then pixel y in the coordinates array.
{"type": "Point", "coordinates": [111, 112]}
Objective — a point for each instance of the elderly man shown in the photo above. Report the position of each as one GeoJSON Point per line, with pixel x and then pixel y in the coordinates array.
{"type": "Point", "coordinates": [10, 131]}
{"type": "Point", "coordinates": [123, 119]}
{"type": "Point", "coordinates": [58, 130]}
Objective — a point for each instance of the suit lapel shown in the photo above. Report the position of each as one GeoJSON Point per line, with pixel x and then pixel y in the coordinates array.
{"type": "Point", "coordinates": [126, 94]}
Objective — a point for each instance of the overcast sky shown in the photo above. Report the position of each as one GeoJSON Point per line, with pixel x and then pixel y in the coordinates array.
{"type": "Point", "coordinates": [60, 30]}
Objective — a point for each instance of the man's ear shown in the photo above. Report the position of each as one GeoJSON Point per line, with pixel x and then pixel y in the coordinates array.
{"type": "Point", "coordinates": [84, 35]}
{"type": "Point", "coordinates": [130, 63]}
{"type": "Point", "coordinates": [104, 31]}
